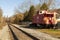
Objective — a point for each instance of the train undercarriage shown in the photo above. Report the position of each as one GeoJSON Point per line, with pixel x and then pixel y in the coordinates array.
{"type": "Point", "coordinates": [44, 26]}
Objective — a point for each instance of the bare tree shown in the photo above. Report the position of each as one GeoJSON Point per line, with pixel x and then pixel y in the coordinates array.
{"type": "Point", "coordinates": [1, 12]}
{"type": "Point", "coordinates": [48, 2]}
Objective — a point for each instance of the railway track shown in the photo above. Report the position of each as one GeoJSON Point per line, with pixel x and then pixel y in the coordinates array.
{"type": "Point", "coordinates": [19, 34]}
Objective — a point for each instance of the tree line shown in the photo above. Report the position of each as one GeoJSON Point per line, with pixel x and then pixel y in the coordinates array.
{"type": "Point", "coordinates": [2, 19]}
{"type": "Point", "coordinates": [28, 15]}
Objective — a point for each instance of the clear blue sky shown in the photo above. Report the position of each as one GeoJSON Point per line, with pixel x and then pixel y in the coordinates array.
{"type": "Point", "coordinates": [9, 6]}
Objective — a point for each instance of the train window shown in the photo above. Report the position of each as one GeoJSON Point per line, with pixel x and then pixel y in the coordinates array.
{"type": "Point", "coordinates": [48, 15]}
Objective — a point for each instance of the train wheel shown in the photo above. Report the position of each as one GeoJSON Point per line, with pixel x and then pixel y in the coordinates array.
{"type": "Point", "coordinates": [42, 26]}
{"type": "Point", "coordinates": [55, 26]}
{"type": "Point", "coordinates": [46, 26]}
{"type": "Point", "coordinates": [52, 26]}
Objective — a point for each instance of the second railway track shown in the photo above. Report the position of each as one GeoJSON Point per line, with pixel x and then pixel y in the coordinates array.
{"type": "Point", "coordinates": [19, 34]}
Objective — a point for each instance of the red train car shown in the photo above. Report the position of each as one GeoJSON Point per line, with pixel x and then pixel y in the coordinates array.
{"type": "Point", "coordinates": [44, 20]}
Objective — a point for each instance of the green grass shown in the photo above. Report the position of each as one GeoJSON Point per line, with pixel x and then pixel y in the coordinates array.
{"type": "Point", "coordinates": [52, 32]}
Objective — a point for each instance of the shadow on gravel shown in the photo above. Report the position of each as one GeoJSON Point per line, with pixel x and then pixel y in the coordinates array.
{"type": "Point", "coordinates": [33, 27]}
{"type": "Point", "coordinates": [29, 27]}
{"type": "Point", "coordinates": [59, 37]}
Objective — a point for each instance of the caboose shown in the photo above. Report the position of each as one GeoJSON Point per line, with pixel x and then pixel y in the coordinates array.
{"type": "Point", "coordinates": [44, 19]}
